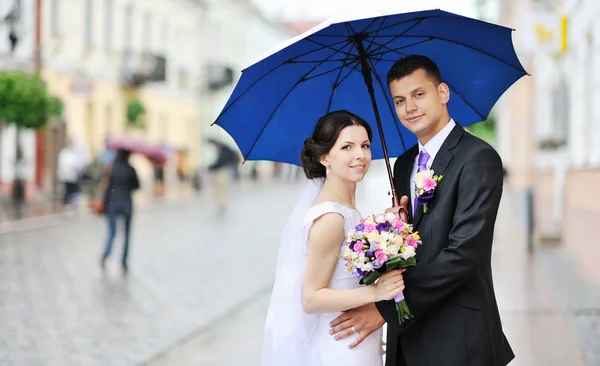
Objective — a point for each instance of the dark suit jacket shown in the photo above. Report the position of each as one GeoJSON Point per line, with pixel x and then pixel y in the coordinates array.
{"type": "Point", "coordinates": [450, 291]}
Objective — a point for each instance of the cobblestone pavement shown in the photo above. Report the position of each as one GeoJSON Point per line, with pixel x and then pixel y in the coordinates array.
{"type": "Point", "coordinates": [182, 303]}
{"type": "Point", "coordinates": [58, 308]}
{"type": "Point", "coordinates": [549, 311]}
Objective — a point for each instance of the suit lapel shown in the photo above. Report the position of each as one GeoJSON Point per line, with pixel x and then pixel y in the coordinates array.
{"type": "Point", "coordinates": [441, 162]}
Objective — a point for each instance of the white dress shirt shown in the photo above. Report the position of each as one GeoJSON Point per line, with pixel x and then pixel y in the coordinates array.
{"type": "Point", "coordinates": [432, 148]}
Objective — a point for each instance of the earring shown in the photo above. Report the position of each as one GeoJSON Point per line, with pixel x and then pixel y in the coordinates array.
{"type": "Point", "coordinates": [327, 171]}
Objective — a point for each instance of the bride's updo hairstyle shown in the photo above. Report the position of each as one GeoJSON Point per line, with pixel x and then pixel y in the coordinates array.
{"type": "Point", "coordinates": [326, 132]}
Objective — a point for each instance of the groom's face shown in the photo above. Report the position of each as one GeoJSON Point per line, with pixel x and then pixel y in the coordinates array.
{"type": "Point", "coordinates": [420, 104]}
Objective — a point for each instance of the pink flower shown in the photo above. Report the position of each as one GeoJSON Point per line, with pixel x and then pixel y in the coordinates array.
{"type": "Point", "coordinates": [411, 241]}
{"type": "Point", "coordinates": [359, 246]}
{"type": "Point", "coordinates": [429, 184]}
{"type": "Point", "coordinates": [369, 228]}
{"type": "Point", "coordinates": [399, 224]}
{"type": "Point", "coordinates": [381, 256]}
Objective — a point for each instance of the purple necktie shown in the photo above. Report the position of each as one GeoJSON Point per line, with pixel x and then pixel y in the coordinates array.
{"type": "Point", "coordinates": [422, 165]}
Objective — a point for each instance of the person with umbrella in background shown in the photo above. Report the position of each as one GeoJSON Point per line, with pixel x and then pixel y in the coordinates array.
{"type": "Point", "coordinates": [119, 185]}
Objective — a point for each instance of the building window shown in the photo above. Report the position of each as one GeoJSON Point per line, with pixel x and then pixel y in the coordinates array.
{"type": "Point", "coordinates": [183, 79]}
{"type": "Point", "coordinates": [128, 28]}
{"type": "Point", "coordinates": [147, 33]}
{"type": "Point", "coordinates": [108, 25]}
{"type": "Point", "coordinates": [89, 25]}
{"type": "Point", "coordinates": [55, 18]}
{"type": "Point", "coordinates": [164, 36]}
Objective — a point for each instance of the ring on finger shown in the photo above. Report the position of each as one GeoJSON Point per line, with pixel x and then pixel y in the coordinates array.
{"type": "Point", "coordinates": [353, 329]}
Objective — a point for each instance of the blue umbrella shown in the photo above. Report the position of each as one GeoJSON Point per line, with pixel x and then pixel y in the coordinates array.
{"type": "Point", "coordinates": [344, 64]}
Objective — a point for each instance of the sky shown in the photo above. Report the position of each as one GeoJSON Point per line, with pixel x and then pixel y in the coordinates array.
{"type": "Point", "coordinates": [318, 10]}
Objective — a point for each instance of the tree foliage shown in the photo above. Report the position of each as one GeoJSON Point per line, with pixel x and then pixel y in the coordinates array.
{"type": "Point", "coordinates": [24, 100]}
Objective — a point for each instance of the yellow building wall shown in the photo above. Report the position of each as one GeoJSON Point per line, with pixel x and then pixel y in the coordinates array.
{"type": "Point", "coordinates": [92, 116]}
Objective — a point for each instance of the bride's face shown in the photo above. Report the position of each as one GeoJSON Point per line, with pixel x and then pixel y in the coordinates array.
{"type": "Point", "coordinates": [350, 157]}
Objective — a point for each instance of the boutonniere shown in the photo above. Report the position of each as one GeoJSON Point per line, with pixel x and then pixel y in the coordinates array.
{"type": "Point", "coordinates": [426, 183]}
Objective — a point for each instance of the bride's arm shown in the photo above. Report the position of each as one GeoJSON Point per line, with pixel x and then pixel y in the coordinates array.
{"type": "Point", "coordinates": [325, 239]}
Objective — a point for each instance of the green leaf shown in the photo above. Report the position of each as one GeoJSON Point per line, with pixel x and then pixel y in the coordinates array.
{"type": "Point", "coordinates": [370, 278]}
{"type": "Point", "coordinates": [400, 263]}
{"type": "Point", "coordinates": [135, 109]}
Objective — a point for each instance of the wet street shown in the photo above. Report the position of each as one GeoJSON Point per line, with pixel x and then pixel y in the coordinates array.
{"type": "Point", "coordinates": [199, 286]}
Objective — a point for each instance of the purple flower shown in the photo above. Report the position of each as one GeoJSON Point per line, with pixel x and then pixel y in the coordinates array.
{"type": "Point", "coordinates": [374, 246]}
{"type": "Point", "coordinates": [370, 254]}
{"type": "Point", "coordinates": [384, 226]}
{"type": "Point", "coordinates": [360, 227]}
{"type": "Point", "coordinates": [426, 196]}
{"type": "Point", "coordinates": [377, 265]}
{"type": "Point", "coordinates": [351, 246]}
{"type": "Point", "coordinates": [360, 272]}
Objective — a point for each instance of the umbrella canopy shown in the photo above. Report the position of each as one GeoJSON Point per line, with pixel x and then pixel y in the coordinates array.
{"type": "Point", "coordinates": [343, 64]}
{"type": "Point", "coordinates": [154, 153]}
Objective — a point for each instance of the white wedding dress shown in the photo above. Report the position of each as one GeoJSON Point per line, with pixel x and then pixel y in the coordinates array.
{"type": "Point", "coordinates": [293, 337]}
{"type": "Point", "coordinates": [325, 350]}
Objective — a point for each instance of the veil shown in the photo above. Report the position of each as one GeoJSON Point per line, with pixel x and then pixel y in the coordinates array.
{"type": "Point", "coordinates": [288, 328]}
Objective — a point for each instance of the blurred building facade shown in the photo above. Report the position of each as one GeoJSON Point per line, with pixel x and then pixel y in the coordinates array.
{"type": "Point", "coordinates": [100, 55]}
{"type": "Point", "coordinates": [236, 35]}
{"type": "Point", "coordinates": [549, 125]}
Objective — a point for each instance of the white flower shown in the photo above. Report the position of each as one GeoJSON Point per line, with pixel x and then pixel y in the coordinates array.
{"type": "Point", "coordinates": [392, 250]}
{"type": "Point", "coordinates": [390, 216]}
{"type": "Point", "coordinates": [398, 240]}
{"type": "Point", "coordinates": [421, 176]}
{"type": "Point", "coordinates": [407, 252]}
{"type": "Point", "coordinates": [380, 219]}
{"type": "Point", "coordinates": [348, 253]}
{"type": "Point", "coordinates": [386, 236]}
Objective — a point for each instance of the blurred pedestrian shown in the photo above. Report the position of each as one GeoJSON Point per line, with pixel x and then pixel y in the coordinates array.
{"type": "Point", "coordinates": [18, 191]}
{"type": "Point", "coordinates": [68, 173]}
{"type": "Point", "coordinates": [159, 178]}
{"type": "Point", "coordinates": [221, 171]}
{"type": "Point", "coordinates": [120, 184]}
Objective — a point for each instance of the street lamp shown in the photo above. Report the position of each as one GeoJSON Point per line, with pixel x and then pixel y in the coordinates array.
{"type": "Point", "coordinates": [13, 18]}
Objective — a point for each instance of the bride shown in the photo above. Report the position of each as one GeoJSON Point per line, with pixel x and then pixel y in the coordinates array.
{"type": "Point", "coordinates": [312, 286]}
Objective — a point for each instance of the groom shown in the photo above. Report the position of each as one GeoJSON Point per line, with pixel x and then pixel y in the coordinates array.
{"type": "Point", "coordinates": [450, 292]}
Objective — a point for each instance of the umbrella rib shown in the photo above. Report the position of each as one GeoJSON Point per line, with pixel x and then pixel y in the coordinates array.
{"type": "Point", "coordinates": [416, 20]}
{"type": "Point", "coordinates": [385, 47]}
{"type": "Point", "coordinates": [268, 73]}
{"type": "Point", "coordinates": [335, 84]}
{"type": "Point", "coordinates": [327, 35]}
{"type": "Point", "coordinates": [279, 105]}
{"type": "Point", "coordinates": [340, 82]}
{"type": "Point", "coordinates": [422, 18]}
{"type": "Point", "coordinates": [317, 61]}
{"type": "Point", "coordinates": [464, 45]}
{"type": "Point", "coordinates": [483, 118]}
{"type": "Point", "coordinates": [330, 47]}
{"type": "Point", "coordinates": [368, 50]}
{"type": "Point", "coordinates": [402, 34]}
{"type": "Point", "coordinates": [373, 22]}
{"type": "Point", "coordinates": [392, 111]}
{"type": "Point", "coordinates": [348, 74]}
{"type": "Point", "coordinates": [329, 71]}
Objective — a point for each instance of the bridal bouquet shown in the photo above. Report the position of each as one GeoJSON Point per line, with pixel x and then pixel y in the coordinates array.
{"type": "Point", "coordinates": [378, 244]}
